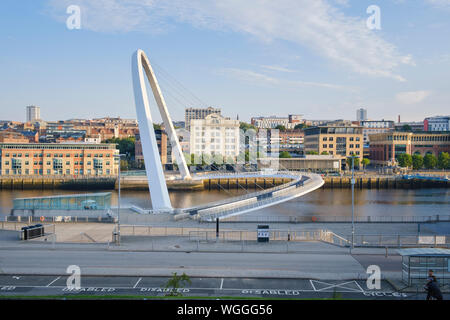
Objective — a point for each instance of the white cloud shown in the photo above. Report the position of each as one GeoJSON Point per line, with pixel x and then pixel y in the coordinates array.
{"type": "Point", "coordinates": [253, 77]}
{"type": "Point", "coordinates": [412, 97]}
{"type": "Point", "coordinates": [278, 68]}
{"type": "Point", "coordinates": [317, 25]}
{"type": "Point", "coordinates": [439, 3]}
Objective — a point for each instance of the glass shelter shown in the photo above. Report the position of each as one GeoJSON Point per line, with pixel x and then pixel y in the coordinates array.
{"type": "Point", "coordinates": [417, 261]}
{"type": "Point", "coordinates": [87, 201]}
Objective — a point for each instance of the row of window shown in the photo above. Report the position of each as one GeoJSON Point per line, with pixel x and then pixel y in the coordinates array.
{"type": "Point", "coordinates": [55, 172]}
{"type": "Point", "coordinates": [60, 155]}
{"type": "Point", "coordinates": [6, 163]}
{"type": "Point", "coordinates": [350, 139]}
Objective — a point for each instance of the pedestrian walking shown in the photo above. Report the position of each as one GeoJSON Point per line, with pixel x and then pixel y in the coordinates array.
{"type": "Point", "coordinates": [432, 287]}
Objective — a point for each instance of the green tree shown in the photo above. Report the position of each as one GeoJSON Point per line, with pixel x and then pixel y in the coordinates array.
{"type": "Point", "coordinates": [285, 154]}
{"type": "Point", "coordinates": [177, 282]}
{"type": "Point", "coordinates": [324, 153]}
{"type": "Point", "coordinates": [429, 161]}
{"type": "Point", "coordinates": [245, 126]}
{"type": "Point", "coordinates": [365, 162]}
{"type": "Point", "coordinates": [312, 152]}
{"type": "Point", "coordinates": [417, 161]}
{"type": "Point", "coordinates": [443, 161]}
{"type": "Point", "coordinates": [125, 145]}
{"type": "Point", "coordinates": [404, 160]}
{"type": "Point", "coordinates": [349, 162]}
{"type": "Point", "coordinates": [406, 128]}
{"type": "Point", "coordinates": [280, 127]}
{"type": "Point", "coordinates": [300, 126]}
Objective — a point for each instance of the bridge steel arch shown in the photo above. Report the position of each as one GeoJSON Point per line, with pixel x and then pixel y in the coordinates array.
{"type": "Point", "coordinates": [155, 174]}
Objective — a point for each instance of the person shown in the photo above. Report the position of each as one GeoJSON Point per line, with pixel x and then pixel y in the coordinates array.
{"type": "Point", "coordinates": [432, 287]}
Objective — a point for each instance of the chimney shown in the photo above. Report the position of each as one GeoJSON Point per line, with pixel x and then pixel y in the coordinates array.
{"type": "Point", "coordinates": [398, 118]}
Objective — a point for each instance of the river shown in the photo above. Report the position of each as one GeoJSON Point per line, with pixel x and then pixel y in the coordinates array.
{"type": "Point", "coordinates": [322, 202]}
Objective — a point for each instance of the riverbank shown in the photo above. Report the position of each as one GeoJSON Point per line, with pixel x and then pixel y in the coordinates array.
{"type": "Point", "coordinates": [362, 181]}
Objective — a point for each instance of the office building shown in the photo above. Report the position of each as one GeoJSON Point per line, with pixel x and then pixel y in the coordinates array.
{"type": "Point", "coordinates": [438, 123]}
{"type": "Point", "coordinates": [334, 140]}
{"type": "Point", "coordinates": [386, 147]}
{"type": "Point", "coordinates": [198, 114]}
{"type": "Point", "coordinates": [46, 159]}
{"type": "Point", "coordinates": [361, 114]}
{"type": "Point", "coordinates": [215, 135]}
{"type": "Point", "coordinates": [33, 113]}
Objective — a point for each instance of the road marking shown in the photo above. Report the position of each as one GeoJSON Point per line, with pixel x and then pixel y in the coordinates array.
{"type": "Point", "coordinates": [137, 282]}
{"type": "Point", "coordinates": [221, 284]}
{"type": "Point", "coordinates": [362, 290]}
{"type": "Point", "coordinates": [53, 281]}
{"type": "Point", "coordinates": [312, 285]}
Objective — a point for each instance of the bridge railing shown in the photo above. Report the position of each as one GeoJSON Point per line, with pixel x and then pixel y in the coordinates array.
{"type": "Point", "coordinates": [333, 218]}
{"type": "Point", "coordinates": [296, 178]}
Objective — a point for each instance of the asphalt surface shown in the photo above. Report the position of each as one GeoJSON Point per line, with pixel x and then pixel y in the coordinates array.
{"type": "Point", "coordinates": [31, 285]}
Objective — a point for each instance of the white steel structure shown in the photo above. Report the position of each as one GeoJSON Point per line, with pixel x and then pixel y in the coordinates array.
{"type": "Point", "coordinates": [155, 174]}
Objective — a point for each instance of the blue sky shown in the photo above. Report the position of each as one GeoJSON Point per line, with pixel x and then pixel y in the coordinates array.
{"type": "Point", "coordinates": [315, 58]}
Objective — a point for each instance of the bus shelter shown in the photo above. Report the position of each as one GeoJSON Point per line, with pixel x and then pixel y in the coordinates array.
{"type": "Point", "coordinates": [417, 261]}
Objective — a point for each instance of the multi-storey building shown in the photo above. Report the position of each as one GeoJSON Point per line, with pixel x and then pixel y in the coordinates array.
{"type": "Point", "coordinates": [33, 113]}
{"type": "Point", "coordinates": [375, 126]}
{"type": "Point", "coordinates": [272, 122]}
{"type": "Point", "coordinates": [361, 114]}
{"type": "Point", "coordinates": [44, 159]}
{"type": "Point", "coordinates": [215, 135]}
{"type": "Point", "coordinates": [198, 114]}
{"type": "Point", "coordinates": [386, 147]}
{"type": "Point", "coordinates": [414, 125]}
{"type": "Point", "coordinates": [161, 140]}
{"type": "Point", "coordinates": [439, 123]}
{"type": "Point", "coordinates": [334, 140]}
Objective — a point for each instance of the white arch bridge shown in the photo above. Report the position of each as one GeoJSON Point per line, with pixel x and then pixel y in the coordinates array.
{"type": "Point", "coordinates": [300, 183]}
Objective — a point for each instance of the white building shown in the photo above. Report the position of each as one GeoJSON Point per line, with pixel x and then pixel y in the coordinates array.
{"type": "Point", "coordinates": [272, 122]}
{"type": "Point", "coordinates": [361, 114]}
{"type": "Point", "coordinates": [33, 113]}
{"type": "Point", "coordinates": [215, 135]}
{"type": "Point", "coordinates": [438, 123]}
{"type": "Point", "coordinates": [375, 126]}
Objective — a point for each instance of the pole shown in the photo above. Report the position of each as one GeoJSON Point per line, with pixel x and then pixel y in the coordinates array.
{"type": "Point", "coordinates": [118, 207]}
{"type": "Point", "coordinates": [353, 202]}
{"type": "Point", "coordinates": [217, 228]}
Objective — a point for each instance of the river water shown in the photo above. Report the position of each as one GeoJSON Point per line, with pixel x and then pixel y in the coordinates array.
{"type": "Point", "coordinates": [322, 202]}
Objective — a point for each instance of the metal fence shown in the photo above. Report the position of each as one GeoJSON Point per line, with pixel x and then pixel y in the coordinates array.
{"type": "Point", "coordinates": [347, 219]}
{"type": "Point", "coordinates": [283, 235]}
{"type": "Point", "coordinates": [42, 219]}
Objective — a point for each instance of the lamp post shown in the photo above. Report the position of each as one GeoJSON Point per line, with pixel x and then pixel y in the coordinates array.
{"type": "Point", "coordinates": [118, 156]}
{"type": "Point", "coordinates": [353, 202]}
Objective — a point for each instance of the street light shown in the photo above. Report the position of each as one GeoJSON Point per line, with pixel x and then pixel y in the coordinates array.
{"type": "Point", "coordinates": [118, 156]}
{"type": "Point", "coordinates": [353, 201]}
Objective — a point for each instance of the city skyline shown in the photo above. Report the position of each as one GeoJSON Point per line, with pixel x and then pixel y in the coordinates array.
{"type": "Point", "coordinates": [238, 63]}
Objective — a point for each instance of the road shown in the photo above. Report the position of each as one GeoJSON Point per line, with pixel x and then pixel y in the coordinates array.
{"type": "Point", "coordinates": [104, 262]}
{"type": "Point", "coordinates": [27, 285]}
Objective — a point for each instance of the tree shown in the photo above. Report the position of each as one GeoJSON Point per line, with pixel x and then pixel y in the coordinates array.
{"type": "Point", "coordinates": [300, 126]}
{"type": "Point", "coordinates": [406, 128]}
{"type": "Point", "coordinates": [177, 282]}
{"type": "Point", "coordinates": [417, 161]}
{"type": "Point", "coordinates": [365, 162]}
{"type": "Point", "coordinates": [125, 145]}
{"type": "Point", "coordinates": [245, 126]}
{"type": "Point", "coordinates": [280, 127]}
{"type": "Point", "coordinates": [404, 160]}
{"type": "Point", "coordinates": [443, 161]}
{"type": "Point", "coordinates": [285, 154]}
{"type": "Point", "coordinates": [349, 161]}
{"type": "Point", "coordinates": [324, 153]}
{"type": "Point", "coordinates": [312, 152]}
{"type": "Point", "coordinates": [429, 161]}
